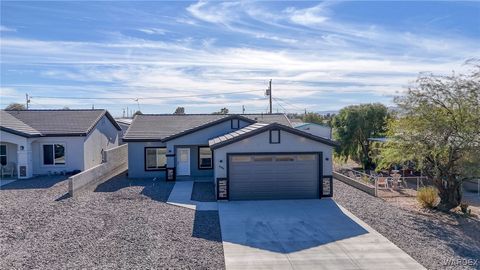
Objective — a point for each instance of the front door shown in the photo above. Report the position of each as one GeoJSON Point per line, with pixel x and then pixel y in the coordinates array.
{"type": "Point", "coordinates": [183, 161]}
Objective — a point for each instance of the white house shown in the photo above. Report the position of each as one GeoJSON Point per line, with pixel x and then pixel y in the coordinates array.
{"type": "Point", "coordinates": [39, 142]}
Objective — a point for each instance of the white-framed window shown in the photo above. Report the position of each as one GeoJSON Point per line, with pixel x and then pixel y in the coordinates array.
{"type": "Point", "coordinates": [155, 158]}
{"type": "Point", "coordinates": [205, 157]}
{"type": "Point", "coordinates": [3, 154]}
{"type": "Point", "coordinates": [53, 154]}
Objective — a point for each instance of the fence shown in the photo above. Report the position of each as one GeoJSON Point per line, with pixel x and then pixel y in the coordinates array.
{"type": "Point", "coordinates": [382, 186]}
{"type": "Point", "coordinates": [115, 161]}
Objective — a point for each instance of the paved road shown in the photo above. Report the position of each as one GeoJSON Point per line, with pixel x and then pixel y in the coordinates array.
{"type": "Point", "coordinates": [303, 234]}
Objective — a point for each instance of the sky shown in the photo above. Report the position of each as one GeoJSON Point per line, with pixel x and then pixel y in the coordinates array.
{"type": "Point", "coordinates": [206, 55]}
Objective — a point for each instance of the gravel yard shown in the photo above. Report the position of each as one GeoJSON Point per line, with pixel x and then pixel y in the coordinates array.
{"type": "Point", "coordinates": [431, 238]}
{"type": "Point", "coordinates": [123, 224]}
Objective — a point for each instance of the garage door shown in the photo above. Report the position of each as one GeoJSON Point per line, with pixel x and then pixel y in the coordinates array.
{"type": "Point", "coordinates": [270, 177]}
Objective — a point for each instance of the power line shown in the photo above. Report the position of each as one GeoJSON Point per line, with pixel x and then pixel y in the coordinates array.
{"type": "Point", "coordinates": [290, 104]}
{"type": "Point", "coordinates": [277, 101]}
{"type": "Point", "coordinates": [138, 98]}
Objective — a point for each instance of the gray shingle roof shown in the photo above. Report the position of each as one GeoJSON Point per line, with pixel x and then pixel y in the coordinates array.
{"type": "Point", "coordinates": [257, 128]}
{"type": "Point", "coordinates": [53, 122]}
{"type": "Point", "coordinates": [156, 127]}
{"type": "Point", "coordinates": [13, 125]}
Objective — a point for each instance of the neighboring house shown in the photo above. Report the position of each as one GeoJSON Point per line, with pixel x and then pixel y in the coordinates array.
{"type": "Point", "coordinates": [124, 124]}
{"type": "Point", "coordinates": [247, 156]}
{"type": "Point", "coordinates": [315, 129]}
{"type": "Point", "coordinates": [42, 142]}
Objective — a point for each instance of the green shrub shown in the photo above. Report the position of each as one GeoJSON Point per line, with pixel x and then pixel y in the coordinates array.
{"type": "Point", "coordinates": [428, 197]}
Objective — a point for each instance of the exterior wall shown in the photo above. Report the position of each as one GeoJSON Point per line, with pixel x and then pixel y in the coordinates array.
{"type": "Point", "coordinates": [199, 138]}
{"type": "Point", "coordinates": [74, 154]}
{"type": "Point", "coordinates": [261, 143]}
{"type": "Point", "coordinates": [23, 157]}
{"type": "Point", "coordinates": [103, 137]}
{"type": "Point", "coordinates": [136, 160]}
{"type": "Point", "coordinates": [317, 130]}
{"type": "Point", "coordinates": [194, 170]}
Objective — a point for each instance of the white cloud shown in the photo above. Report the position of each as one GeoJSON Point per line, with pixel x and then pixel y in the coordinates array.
{"type": "Point", "coordinates": [7, 29]}
{"type": "Point", "coordinates": [309, 16]}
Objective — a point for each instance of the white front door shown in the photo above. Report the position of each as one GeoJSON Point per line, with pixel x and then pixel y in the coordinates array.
{"type": "Point", "coordinates": [183, 161]}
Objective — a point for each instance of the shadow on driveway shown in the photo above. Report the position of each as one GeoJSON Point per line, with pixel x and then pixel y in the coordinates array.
{"type": "Point", "coordinates": [286, 226]}
{"type": "Point", "coordinates": [207, 226]}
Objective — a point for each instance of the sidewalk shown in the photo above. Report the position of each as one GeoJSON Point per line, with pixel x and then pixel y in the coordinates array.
{"type": "Point", "coordinates": [181, 196]}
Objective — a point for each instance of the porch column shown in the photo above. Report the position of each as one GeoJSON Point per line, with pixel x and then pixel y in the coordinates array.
{"type": "Point", "coordinates": [24, 160]}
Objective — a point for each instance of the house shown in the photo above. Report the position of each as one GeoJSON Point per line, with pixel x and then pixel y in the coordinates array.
{"type": "Point", "coordinates": [315, 129]}
{"type": "Point", "coordinates": [41, 142]}
{"type": "Point", "coordinates": [248, 156]}
{"type": "Point", "coordinates": [124, 124]}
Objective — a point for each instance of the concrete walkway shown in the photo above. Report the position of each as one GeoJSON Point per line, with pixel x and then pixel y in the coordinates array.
{"type": "Point", "coordinates": [181, 196]}
{"type": "Point", "coordinates": [4, 182]}
{"type": "Point", "coordinates": [303, 234]}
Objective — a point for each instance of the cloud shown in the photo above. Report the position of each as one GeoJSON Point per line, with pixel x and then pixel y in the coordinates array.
{"type": "Point", "coordinates": [7, 29]}
{"type": "Point", "coordinates": [153, 31]}
{"type": "Point", "coordinates": [309, 16]}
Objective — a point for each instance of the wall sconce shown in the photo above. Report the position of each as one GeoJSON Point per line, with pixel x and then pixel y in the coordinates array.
{"type": "Point", "coordinates": [22, 147]}
{"type": "Point", "coordinates": [221, 160]}
{"type": "Point", "coordinates": [326, 159]}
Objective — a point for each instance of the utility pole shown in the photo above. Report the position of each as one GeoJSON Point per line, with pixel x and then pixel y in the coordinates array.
{"type": "Point", "coordinates": [243, 109]}
{"type": "Point", "coordinates": [27, 100]}
{"type": "Point", "coordinates": [270, 94]}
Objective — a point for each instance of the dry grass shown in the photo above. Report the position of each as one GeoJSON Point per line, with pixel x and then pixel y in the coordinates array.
{"type": "Point", "coordinates": [428, 197]}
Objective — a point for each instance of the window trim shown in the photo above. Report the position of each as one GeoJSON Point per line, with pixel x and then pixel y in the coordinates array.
{"type": "Point", "coordinates": [145, 159]}
{"type": "Point", "coordinates": [54, 165]}
{"type": "Point", "coordinates": [6, 154]}
{"type": "Point", "coordinates": [237, 121]}
{"type": "Point", "coordinates": [198, 158]}
{"type": "Point", "coordinates": [270, 133]}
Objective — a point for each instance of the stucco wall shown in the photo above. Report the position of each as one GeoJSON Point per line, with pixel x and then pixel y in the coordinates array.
{"type": "Point", "coordinates": [103, 137]}
{"type": "Point", "coordinates": [136, 160]}
{"type": "Point", "coordinates": [261, 143]}
{"type": "Point", "coordinates": [74, 158]}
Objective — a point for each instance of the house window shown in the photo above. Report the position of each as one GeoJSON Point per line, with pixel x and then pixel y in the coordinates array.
{"type": "Point", "coordinates": [205, 157]}
{"type": "Point", "coordinates": [274, 136]}
{"type": "Point", "coordinates": [235, 123]}
{"type": "Point", "coordinates": [54, 154]}
{"type": "Point", "coordinates": [3, 154]}
{"type": "Point", "coordinates": [155, 158]}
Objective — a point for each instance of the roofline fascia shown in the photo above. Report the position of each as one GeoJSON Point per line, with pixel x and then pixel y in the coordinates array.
{"type": "Point", "coordinates": [110, 118]}
{"type": "Point", "coordinates": [275, 126]}
{"type": "Point", "coordinates": [19, 133]}
{"type": "Point", "coordinates": [206, 125]}
{"type": "Point", "coordinates": [141, 140]}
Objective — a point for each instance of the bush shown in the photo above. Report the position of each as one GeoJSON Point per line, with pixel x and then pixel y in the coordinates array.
{"type": "Point", "coordinates": [428, 197]}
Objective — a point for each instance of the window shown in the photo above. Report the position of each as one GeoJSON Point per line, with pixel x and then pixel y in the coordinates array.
{"type": "Point", "coordinates": [54, 154]}
{"type": "Point", "coordinates": [241, 159]}
{"type": "Point", "coordinates": [235, 123]}
{"type": "Point", "coordinates": [3, 154]}
{"type": "Point", "coordinates": [285, 158]}
{"type": "Point", "coordinates": [262, 158]}
{"type": "Point", "coordinates": [155, 158]}
{"type": "Point", "coordinates": [274, 136]}
{"type": "Point", "coordinates": [205, 157]}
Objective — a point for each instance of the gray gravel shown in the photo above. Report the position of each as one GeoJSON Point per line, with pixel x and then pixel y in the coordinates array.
{"type": "Point", "coordinates": [431, 238]}
{"type": "Point", "coordinates": [203, 192]}
{"type": "Point", "coordinates": [123, 224]}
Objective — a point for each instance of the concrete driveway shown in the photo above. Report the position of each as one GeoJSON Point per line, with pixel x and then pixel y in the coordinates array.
{"type": "Point", "coordinates": [303, 234]}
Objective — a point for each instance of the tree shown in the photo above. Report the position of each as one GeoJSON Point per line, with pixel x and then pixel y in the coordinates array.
{"type": "Point", "coordinates": [438, 129]}
{"type": "Point", "coordinates": [318, 118]}
{"type": "Point", "coordinates": [66, 108]}
{"type": "Point", "coordinates": [137, 113]}
{"type": "Point", "coordinates": [222, 111]}
{"type": "Point", "coordinates": [353, 125]}
{"type": "Point", "coordinates": [15, 107]}
{"type": "Point", "coordinates": [179, 110]}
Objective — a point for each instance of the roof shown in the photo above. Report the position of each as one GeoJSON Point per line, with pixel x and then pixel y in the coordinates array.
{"type": "Point", "coordinates": [258, 128]}
{"type": "Point", "coordinates": [34, 123]}
{"type": "Point", "coordinates": [124, 121]}
{"type": "Point", "coordinates": [164, 127]}
{"type": "Point", "coordinates": [308, 124]}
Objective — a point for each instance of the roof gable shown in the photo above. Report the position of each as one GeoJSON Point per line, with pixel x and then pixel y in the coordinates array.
{"type": "Point", "coordinates": [164, 127]}
{"type": "Point", "coordinates": [54, 122]}
{"type": "Point", "coordinates": [258, 128]}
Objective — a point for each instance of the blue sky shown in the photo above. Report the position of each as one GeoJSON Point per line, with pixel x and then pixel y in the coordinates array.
{"type": "Point", "coordinates": [321, 55]}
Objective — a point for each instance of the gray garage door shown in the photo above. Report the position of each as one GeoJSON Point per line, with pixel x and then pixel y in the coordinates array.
{"type": "Point", "coordinates": [269, 177]}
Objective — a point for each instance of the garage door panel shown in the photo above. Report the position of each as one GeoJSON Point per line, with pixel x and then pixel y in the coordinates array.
{"type": "Point", "coordinates": [286, 176]}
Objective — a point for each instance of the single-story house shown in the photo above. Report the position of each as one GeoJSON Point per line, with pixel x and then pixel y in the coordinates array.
{"type": "Point", "coordinates": [124, 124]}
{"type": "Point", "coordinates": [40, 142]}
{"type": "Point", "coordinates": [315, 129]}
{"type": "Point", "coordinates": [248, 156]}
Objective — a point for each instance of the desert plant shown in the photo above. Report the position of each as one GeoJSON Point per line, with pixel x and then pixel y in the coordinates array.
{"type": "Point", "coordinates": [428, 197]}
{"type": "Point", "coordinates": [464, 208]}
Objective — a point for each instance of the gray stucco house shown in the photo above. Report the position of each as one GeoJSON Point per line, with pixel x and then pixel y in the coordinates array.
{"type": "Point", "coordinates": [40, 142]}
{"type": "Point", "coordinates": [248, 156]}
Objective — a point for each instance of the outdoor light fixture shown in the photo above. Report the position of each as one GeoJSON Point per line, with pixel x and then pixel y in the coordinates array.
{"type": "Point", "coordinates": [22, 147]}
